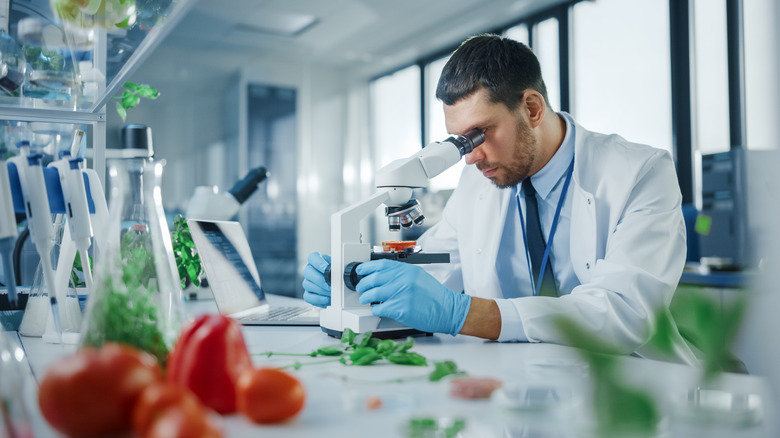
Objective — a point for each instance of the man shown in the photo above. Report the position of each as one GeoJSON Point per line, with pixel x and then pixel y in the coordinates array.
{"type": "Point", "coordinates": [548, 220]}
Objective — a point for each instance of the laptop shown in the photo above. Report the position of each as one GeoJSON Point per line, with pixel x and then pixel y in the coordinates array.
{"type": "Point", "coordinates": [232, 275]}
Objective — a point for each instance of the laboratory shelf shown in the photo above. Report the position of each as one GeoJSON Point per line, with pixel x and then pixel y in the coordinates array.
{"type": "Point", "coordinates": [94, 71]}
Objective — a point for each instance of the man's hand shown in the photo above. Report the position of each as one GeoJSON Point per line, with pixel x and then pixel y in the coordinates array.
{"type": "Point", "coordinates": [316, 291]}
{"type": "Point", "coordinates": [411, 296]}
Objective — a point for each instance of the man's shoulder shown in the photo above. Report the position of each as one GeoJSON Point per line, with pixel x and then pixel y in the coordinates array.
{"type": "Point", "coordinates": [611, 159]}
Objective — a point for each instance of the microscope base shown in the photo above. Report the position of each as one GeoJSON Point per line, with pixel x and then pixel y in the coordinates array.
{"type": "Point", "coordinates": [389, 334]}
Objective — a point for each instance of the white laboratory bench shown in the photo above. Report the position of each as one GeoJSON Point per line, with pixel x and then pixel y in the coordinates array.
{"type": "Point", "coordinates": [550, 384]}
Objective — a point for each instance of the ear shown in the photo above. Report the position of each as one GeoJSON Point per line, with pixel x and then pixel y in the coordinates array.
{"type": "Point", "coordinates": [535, 107]}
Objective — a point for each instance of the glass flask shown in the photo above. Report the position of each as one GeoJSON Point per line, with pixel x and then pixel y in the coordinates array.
{"type": "Point", "coordinates": [14, 419]}
{"type": "Point", "coordinates": [138, 298]}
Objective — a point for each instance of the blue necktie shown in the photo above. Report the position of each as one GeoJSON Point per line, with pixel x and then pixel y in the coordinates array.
{"type": "Point", "coordinates": [535, 241]}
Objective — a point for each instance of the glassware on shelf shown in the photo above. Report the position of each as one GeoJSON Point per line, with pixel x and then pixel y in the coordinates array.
{"type": "Point", "coordinates": [138, 298]}
{"type": "Point", "coordinates": [53, 79]}
{"type": "Point", "coordinates": [113, 15]}
{"type": "Point", "coordinates": [13, 67]}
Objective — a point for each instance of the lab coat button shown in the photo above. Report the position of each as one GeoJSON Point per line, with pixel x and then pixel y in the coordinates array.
{"type": "Point", "coordinates": [479, 251]}
{"type": "Point", "coordinates": [481, 196]}
{"type": "Point", "coordinates": [587, 265]}
{"type": "Point", "coordinates": [588, 201]}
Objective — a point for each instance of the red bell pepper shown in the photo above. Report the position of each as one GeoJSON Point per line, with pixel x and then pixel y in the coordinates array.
{"type": "Point", "coordinates": [207, 358]}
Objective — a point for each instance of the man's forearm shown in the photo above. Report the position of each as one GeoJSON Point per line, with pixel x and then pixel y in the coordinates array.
{"type": "Point", "coordinates": [483, 319]}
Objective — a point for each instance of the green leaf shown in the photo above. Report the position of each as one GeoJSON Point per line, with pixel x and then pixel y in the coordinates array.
{"type": "Point", "coordinates": [364, 356]}
{"type": "Point", "coordinates": [407, 345]}
{"type": "Point", "coordinates": [386, 347]}
{"type": "Point", "coordinates": [148, 92]}
{"type": "Point", "coordinates": [330, 350]}
{"type": "Point", "coordinates": [362, 339]}
{"type": "Point", "coordinates": [443, 369]}
{"type": "Point", "coordinates": [124, 23]}
{"type": "Point", "coordinates": [130, 99]}
{"type": "Point", "coordinates": [130, 85]}
{"type": "Point", "coordinates": [121, 111]}
{"type": "Point", "coordinates": [348, 336]}
{"type": "Point", "coordinates": [407, 358]}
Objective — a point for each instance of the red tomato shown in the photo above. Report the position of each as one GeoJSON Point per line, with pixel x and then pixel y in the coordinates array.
{"type": "Point", "coordinates": [268, 395]}
{"type": "Point", "coordinates": [157, 398]}
{"type": "Point", "coordinates": [208, 358]}
{"type": "Point", "coordinates": [92, 392]}
{"type": "Point", "coordinates": [177, 422]}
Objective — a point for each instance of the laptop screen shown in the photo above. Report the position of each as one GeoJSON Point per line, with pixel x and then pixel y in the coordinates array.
{"type": "Point", "coordinates": [227, 260]}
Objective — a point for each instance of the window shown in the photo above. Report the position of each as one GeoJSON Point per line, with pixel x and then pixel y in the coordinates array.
{"type": "Point", "coordinates": [545, 46]}
{"type": "Point", "coordinates": [761, 88]}
{"type": "Point", "coordinates": [709, 77]}
{"type": "Point", "coordinates": [395, 102]}
{"type": "Point", "coordinates": [395, 118]}
{"type": "Point", "coordinates": [622, 69]}
{"type": "Point", "coordinates": [518, 33]}
{"type": "Point", "coordinates": [436, 128]}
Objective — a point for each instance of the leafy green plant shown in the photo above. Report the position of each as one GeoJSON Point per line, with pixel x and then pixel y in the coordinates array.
{"type": "Point", "coordinates": [620, 409]}
{"type": "Point", "coordinates": [708, 325]}
{"type": "Point", "coordinates": [124, 311]}
{"type": "Point", "coordinates": [187, 259]}
{"type": "Point", "coordinates": [131, 96]}
{"type": "Point", "coordinates": [363, 349]}
{"type": "Point", "coordinates": [429, 427]}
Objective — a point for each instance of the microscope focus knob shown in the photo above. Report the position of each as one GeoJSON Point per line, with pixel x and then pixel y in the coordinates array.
{"type": "Point", "coordinates": [351, 278]}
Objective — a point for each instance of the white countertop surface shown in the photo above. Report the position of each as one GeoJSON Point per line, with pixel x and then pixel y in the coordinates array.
{"type": "Point", "coordinates": [557, 406]}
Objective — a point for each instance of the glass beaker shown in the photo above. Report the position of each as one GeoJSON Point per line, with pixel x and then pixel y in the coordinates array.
{"type": "Point", "coordinates": [138, 298]}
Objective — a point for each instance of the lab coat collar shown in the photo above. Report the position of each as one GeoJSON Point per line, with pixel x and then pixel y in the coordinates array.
{"type": "Point", "coordinates": [545, 180]}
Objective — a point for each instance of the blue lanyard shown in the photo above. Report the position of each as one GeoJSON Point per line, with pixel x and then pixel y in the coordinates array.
{"type": "Point", "coordinates": [538, 284]}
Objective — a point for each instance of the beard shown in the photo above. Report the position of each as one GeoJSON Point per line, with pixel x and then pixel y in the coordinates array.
{"type": "Point", "coordinates": [520, 163]}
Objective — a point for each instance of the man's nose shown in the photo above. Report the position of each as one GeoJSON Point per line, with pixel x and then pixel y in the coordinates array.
{"type": "Point", "coordinates": [475, 156]}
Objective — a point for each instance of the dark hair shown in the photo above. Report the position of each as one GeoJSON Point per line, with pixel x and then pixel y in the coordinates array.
{"type": "Point", "coordinates": [504, 67]}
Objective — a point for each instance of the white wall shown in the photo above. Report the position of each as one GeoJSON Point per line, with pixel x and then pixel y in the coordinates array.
{"type": "Point", "coordinates": [198, 89]}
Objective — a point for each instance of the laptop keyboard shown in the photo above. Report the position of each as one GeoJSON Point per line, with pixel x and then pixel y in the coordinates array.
{"type": "Point", "coordinates": [278, 314]}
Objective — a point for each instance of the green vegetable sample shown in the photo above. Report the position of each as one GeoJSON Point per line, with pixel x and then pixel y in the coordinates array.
{"type": "Point", "coordinates": [125, 311]}
{"type": "Point", "coordinates": [187, 259]}
{"type": "Point", "coordinates": [131, 96]}
{"type": "Point", "coordinates": [363, 349]}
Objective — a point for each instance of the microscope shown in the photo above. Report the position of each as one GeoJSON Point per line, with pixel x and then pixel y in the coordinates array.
{"type": "Point", "coordinates": [395, 184]}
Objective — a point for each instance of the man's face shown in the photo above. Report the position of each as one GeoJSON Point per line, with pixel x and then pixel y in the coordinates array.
{"type": "Point", "coordinates": [510, 148]}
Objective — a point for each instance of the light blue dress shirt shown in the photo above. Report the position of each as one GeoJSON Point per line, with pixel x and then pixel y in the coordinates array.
{"type": "Point", "coordinates": [512, 261]}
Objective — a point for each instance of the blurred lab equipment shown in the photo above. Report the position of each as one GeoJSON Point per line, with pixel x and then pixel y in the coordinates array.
{"type": "Point", "coordinates": [8, 231]}
{"type": "Point", "coordinates": [39, 219]}
{"type": "Point", "coordinates": [62, 191]}
{"type": "Point", "coordinates": [14, 418]}
{"type": "Point", "coordinates": [395, 183]}
{"type": "Point", "coordinates": [209, 203]}
{"type": "Point", "coordinates": [13, 66]}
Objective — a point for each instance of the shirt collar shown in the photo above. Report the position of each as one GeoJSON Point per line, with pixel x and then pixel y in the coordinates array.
{"type": "Point", "coordinates": [545, 179]}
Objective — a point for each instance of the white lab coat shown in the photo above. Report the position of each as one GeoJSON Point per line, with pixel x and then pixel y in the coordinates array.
{"type": "Point", "coordinates": [627, 244]}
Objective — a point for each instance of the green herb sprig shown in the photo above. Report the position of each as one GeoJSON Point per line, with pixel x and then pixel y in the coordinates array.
{"type": "Point", "coordinates": [124, 311]}
{"type": "Point", "coordinates": [131, 96]}
{"type": "Point", "coordinates": [363, 349]}
{"type": "Point", "coordinates": [187, 259]}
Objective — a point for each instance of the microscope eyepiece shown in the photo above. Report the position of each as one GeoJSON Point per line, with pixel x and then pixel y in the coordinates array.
{"type": "Point", "coordinates": [467, 143]}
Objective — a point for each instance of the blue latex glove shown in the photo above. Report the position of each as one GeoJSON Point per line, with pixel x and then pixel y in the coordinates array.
{"type": "Point", "coordinates": [411, 296]}
{"type": "Point", "coordinates": [316, 291]}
